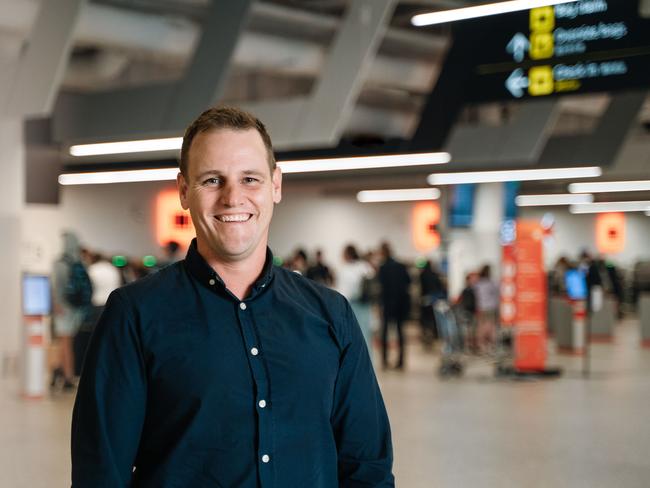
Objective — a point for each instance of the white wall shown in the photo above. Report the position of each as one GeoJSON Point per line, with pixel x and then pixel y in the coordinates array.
{"type": "Point", "coordinates": [574, 233]}
{"type": "Point", "coordinates": [115, 219]}
{"type": "Point", "coordinates": [309, 220]}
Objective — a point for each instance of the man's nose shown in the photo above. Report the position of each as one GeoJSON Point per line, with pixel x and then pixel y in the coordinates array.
{"type": "Point", "coordinates": [231, 195]}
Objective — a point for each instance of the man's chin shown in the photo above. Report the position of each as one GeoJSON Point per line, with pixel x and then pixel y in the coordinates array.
{"type": "Point", "coordinates": [232, 252]}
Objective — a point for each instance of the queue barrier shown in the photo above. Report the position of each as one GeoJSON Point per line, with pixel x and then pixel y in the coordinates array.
{"type": "Point", "coordinates": [569, 321]}
{"type": "Point", "coordinates": [603, 321]}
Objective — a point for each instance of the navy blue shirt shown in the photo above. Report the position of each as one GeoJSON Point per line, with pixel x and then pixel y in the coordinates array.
{"type": "Point", "coordinates": [184, 385]}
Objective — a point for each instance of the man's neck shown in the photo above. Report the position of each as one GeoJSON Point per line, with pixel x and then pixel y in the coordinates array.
{"type": "Point", "coordinates": [238, 276]}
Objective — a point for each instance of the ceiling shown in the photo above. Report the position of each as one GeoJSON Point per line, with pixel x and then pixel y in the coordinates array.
{"type": "Point", "coordinates": [280, 55]}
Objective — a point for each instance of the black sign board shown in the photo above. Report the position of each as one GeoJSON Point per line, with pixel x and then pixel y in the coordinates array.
{"type": "Point", "coordinates": [577, 47]}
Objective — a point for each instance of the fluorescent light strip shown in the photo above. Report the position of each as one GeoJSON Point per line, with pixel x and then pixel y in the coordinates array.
{"type": "Point", "coordinates": [402, 195]}
{"type": "Point", "coordinates": [610, 186]}
{"type": "Point", "coordinates": [302, 166]}
{"type": "Point", "coordinates": [546, 200]}
{"type": "Point", "coordinates": [364, 162]}
{"type": "Point", "coordinates": [129, 176]}
{"type": "Point", "coordinates": [513, 175]}
{"type": "Point", "coordinates": [602, 207]}
{"type": "Point", "coordinates": [298, 166]}
{"type": "Point", "coordinates": [122, 147]}
{"type": "Point", "coordinates": [480, 11]}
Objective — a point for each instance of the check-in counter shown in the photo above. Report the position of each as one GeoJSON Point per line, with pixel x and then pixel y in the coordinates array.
{"type": "Point", "coordinates": [644, 318]}
{"type": "Point", "coordinates": [603, 321]}
{"type": "Point", "coordinates": [567, 320]}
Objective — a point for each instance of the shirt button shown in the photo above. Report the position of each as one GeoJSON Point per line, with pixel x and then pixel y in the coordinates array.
{"type": "Point", "coordinates": [255, 351]}
{"type": "Point", "coordinates": [242, 305]}
{"type": "Point", "coordinates": [266, 458]}
{"type": "Point", "coordinates": [262, 403]}
{"type": "Point", "coordinates": [212, 282]}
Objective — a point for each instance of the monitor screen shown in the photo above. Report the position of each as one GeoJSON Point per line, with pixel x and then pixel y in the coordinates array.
{"type": "Point", "coordinates": [37, 299]}
{"type": "Point", "coordinates": [576, 284]}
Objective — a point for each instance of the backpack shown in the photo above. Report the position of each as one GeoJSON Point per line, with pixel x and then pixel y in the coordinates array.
{"type": "Point", "coordinates": [78, 290]}
{"type": "Point", "coordinates": [368, 291]}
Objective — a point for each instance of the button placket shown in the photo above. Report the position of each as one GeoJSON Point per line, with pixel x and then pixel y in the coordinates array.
{"type": "Point", "coordinates": [244, 312]}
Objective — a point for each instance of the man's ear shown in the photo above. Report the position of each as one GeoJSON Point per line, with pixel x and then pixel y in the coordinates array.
{"type": "Point", "coordinates": [277, 185]}
{"type": "Point", "coordinates": [181, 184]}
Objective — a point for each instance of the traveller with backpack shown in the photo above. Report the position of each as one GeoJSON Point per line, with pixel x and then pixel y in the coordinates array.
{"type": "Point", "coordinates": [72, 294]}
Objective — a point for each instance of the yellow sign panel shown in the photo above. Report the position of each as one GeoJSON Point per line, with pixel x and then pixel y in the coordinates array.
{"type": "Point", "coordinates": [541, 45]}
{"type": "Point", "coordinates": [540, 81]}
{"type": "Point", "coordinates": [542, 19]}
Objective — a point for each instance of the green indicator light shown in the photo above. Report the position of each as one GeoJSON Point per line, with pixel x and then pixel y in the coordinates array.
{"type": "Point", "coordinates": [278, 261]}
{"type": "Point", "coordinates": [119, 261]}
{"type": "Point", "coordinates": [420, 262]}
{"type": "Point", "coordinates": [149, 261]}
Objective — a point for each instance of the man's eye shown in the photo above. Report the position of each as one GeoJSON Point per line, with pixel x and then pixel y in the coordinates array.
{"type": "Point", "coordinates": [211, 181]}
{"type": "Point", "coordinates": [250, 179]}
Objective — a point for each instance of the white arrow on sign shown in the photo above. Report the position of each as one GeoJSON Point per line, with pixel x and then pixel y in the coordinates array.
{"type": "Point", "coordinates": [518, 46]}
{"type": "Point", "coordinates": [517, 82]}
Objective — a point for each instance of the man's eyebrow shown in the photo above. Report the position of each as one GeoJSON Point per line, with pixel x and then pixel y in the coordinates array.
{"type": "Point", "coordinates": [253, 172]}
{"type": "Point", "coordinates": [210, 172]}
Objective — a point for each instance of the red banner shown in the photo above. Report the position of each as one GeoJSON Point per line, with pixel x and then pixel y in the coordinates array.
{"type": "Point", "coordinates": [530, 297]}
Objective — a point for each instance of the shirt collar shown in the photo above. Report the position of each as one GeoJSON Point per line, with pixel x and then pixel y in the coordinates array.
{"type": "Point", "coordinates": [202, 271]}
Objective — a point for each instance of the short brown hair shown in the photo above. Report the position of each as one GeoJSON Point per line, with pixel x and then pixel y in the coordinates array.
{"type": "Point", "coordinates": [224, 118]}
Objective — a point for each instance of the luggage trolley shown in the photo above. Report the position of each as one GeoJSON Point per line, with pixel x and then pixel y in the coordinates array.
{"type": "Point", "coordinates": [451, 335]}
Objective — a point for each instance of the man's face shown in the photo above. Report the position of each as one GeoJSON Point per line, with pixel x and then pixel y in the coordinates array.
{"type": "Point", "coordinates": [230, 193]}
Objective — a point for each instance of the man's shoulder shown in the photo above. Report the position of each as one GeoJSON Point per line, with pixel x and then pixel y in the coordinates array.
{"type": "Point", "coordinates": [307, 288]}
{"type": "Point", "coordinates": [156, 285]}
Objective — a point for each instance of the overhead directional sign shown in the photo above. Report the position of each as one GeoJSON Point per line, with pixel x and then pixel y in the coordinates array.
{"type": "Point", "coordinates": [578, 47]}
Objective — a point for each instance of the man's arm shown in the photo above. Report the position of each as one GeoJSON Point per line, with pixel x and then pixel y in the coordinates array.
{"type": "Point", "coordinates": [109, 408]}
{"type": "Point", "coordinates": [359, 419]}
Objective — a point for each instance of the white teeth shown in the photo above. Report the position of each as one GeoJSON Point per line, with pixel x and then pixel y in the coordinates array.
{"type": "Point", "coordinates": [234, 218]}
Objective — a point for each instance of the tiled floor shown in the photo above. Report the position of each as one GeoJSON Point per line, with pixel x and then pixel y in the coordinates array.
{"type": "Point", "coordinates": [475, 431]}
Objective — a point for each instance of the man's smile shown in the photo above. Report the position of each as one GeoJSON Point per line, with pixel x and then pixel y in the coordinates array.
{"type": "Point", "coordinates": [240, 217]}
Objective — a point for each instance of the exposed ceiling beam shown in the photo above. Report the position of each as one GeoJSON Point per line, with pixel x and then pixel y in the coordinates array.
{"type": "Point", "coordinates": [42, 64]}
{"type": "Point", "coordinates": [205, 78]}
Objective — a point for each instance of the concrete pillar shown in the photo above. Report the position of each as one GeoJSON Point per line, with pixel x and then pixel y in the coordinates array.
{"type": "Point", "coordinates": [488, 216]}
{"type": "Point", "coordinates": [479, 245]}
{"type": "Point", "coordinates": [11, 206]}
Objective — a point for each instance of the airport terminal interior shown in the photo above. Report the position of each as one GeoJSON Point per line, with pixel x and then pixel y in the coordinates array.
{"type": "Point", "coordinates": [496, 151]}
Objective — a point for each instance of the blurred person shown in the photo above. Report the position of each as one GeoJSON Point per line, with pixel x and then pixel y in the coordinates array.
{"type": "Point", "coordinates": [104, 278]}
{"type": "Point", "coordinates": [353, 283]}
{"type": "Point", "coordinates": [616, 286]}
{"type": "Point", "coordinates": [557, 276]}
{"type": "Point", "coordinates": [72, 293]}
{"type": "Point", "coordinates": [171, 254]}
{"type": "Point", "coordinates": [466, 307]}
{"type": "Point", "coordinates": [487, 306]}
{"type": "Point", "coordinates": [298, 261]}
{"type": "Point", "coordinates": [395, 302]}
{"type": "Point", "coordinates": [223, 369]}
{"type": "Point", "coordinates": [431, 289]}
{"type": "Point", "coordinates": [319, 271]}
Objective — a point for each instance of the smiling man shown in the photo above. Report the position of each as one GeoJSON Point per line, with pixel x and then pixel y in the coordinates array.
{"type": "Point", "coordinates": [223, 370]}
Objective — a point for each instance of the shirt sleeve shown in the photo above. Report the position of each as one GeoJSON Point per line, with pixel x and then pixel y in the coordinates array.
{"type": "Point", "coordinates": [109, 409]}
{"type": "Point", "coordinates": [359, 421]}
